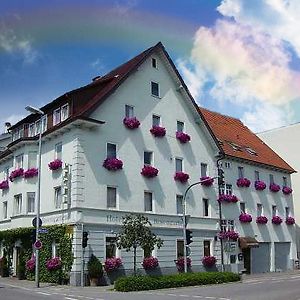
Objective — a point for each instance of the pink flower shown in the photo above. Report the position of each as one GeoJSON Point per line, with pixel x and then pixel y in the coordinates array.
{"type": "Point", "coordinates": [228, 198]}
{"type": "Point", "coordinates": [276, 220]}
{"type": "Point", "coordinates": [15, 174]}
{"type": "Point", "coordinates": [209, 261]}
{"type": "Point", "coordinates": [182, 137]}
{"type": "Point", "coordinates": [112, 264]}
{"type": "Point", "coordinates": [53, 264]}
{"type": "Point", "coordinates": [180, 263]}
{"type": "Point", "coordinates": [30, 264]}
{"type": "Point", "coordinates": [290, 221]}
{"type": "Point", "coordinates": [245, 218]}
{"type": "Point", "coordinates": [31, 173]}
{"type": "Point", "coordinates": [150, 263]}
{"type": "Point", "coordinates": [274, 187]}
{"type": "Point", "coordinates": [206, 181]}
{"type": "Point", "coordinates": [55, 164]}
{"type": "Point", "coordinates": [131, 123]}
{"type": "Point", "coordinates": [181, 176]}
{"type": "Point", "coordinates": [287, 190]}
{"type": "Point", "coordinates": [259, 185]}
{"type": "Point", "coordinates": [230, 235]}
{"type": "Point", "coordinates": [243, 182]}
{"type": "Point", "coordinates": [149, 171]}
{"type": "Point", "coordinates": [4, 185]}
{"type": "Point", "coordinates": [112, 164]}
{"type": "Point", "coordinates": [158, 131]}
{"type": "Point", "coordinates": [261, 220]}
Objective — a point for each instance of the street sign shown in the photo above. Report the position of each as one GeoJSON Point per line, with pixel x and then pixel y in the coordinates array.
{"type": "Point", "coordinates": [34, 222]}
{"type": "Point", "coordinates": [38, 244]}
{"type": "Point", "coordinates": [43, 230]}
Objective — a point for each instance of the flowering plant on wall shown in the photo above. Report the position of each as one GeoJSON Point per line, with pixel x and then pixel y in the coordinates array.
{"type": "Point", "coordinates": [276, 220]}
{"type": "Point", "coordinates": [245, 218]}
{"type": "Point", "coordinates": [4, 185]}
{"type": "Point", "coordinates": [261, 220]}
{"type": "Point", "coordinates": [228, 198]}
{"type": "Point", "coordinates": [230, 235]}
{"type": "Point", "coordinates": [290, 221]}
{"type": "Point", "coordinates": [131, 123]}
{"type": "Point", "coordinates": [53, 264]}
{"type": "Point", "coordinates": [287, 190]}
{"type": "Point", "coordinates": [16, 174]}
{"type": "Point", "coordinates": [243, 182]}
{"type": "Point", "coordinates": [32, 172]}
{"type": "Point", "coordinates": [260, 185]}
{"type": "Point", "coordinates": [206, 180]}
{"type": "Point", "coordinates": [180, 263]}
{"type": "Point", "coordinates": [55, 164]}
{"type": "Point", "coordinates": [158, 131]}
{"type": "Point", "coordinates": [30, 264]}
{"type": "Point", "coordinates": [150, 263]}
{"type": "Point", "coordinates": [182, 137]}
{"type": "Point", "coordinates": [181, 176]}
{"type": "Point", "coordinates": [209, 261]}
{"type": "Point", "coordinates": [112, 164]}
{"type": "Point", "coordinates": [149, 171]}
{"type": "Point", "coordinates": [112, 264]}
{"type": "Point", "coordinates": [274, 187]}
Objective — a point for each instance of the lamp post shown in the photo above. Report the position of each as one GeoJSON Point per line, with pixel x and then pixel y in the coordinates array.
{"type": "Point", "coordinates": [34, 110]}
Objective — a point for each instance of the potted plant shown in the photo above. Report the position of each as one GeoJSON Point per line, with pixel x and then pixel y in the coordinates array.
{"type": "Point", "coordinates": [112, 264]}
{"type": "Point", "coordinates": [55, 164]}
{"type": "Point", "coordinates": [287, 190]}
{"type": "Point", "coordinates": [243, 182]}
{"type": "Point", "coordinates": [4, 185]}
{"type": "Point", "coordinates": [180, 263]}
{"type": "Point", "coordinates": [95, 270]}
{"type": "Point", "coordinates": [181, 176]}
{"type": "Point", "coordinates": [182, 137]}
{"type": "Point", "coordinates": [290, 221]}
{"type": "Point", "coordinates": [274, 187]}
{"type": "Point", "coordinates": [228, 198]}
{"type": "Point", "coordinates": [32, 172]}
{"type": "Point", "coordinates": [245, 218]}
{"type": "Point", "coordinates": [16, 174]}
{"type": "Point", "coordinates": [261, 220]}
{"type": "Point", "coordinates": [150, 263]}
{"type": "Point", "coordinates": [276, 220]}
{"type": "Point", "coordinates": [112, 164]}
{"type": "Point", "coordinates": [260, 185]}
{"type": "Point", "coordinates": [206, 180]}
{"type": "Point", "coordinates": [149, 171]}
{"type": "Point", "coordinates": [131, 123]}
{"type": "Point", "coordinates": [208, 261]}
{"type": "Point", "coordinates": [158, 131]}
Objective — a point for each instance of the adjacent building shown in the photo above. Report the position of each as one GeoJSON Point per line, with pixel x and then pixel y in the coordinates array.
{"type": "Point", "coordinates": [132, 141]}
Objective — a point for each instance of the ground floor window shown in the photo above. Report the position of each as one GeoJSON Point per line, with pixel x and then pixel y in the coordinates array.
{"type": "Point", "coordinates": [180, 248]}
{"type": "Point", "coordinates": [111, 247]}
{"type": "Point", "coordinates": [206, 248]}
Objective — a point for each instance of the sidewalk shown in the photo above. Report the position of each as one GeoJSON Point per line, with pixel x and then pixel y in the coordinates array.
{"type": "Point", "coordinates": [270, 274]}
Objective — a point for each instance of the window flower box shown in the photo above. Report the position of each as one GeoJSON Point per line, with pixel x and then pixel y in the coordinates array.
{"type": "Point", "coordinates": [32, 172]}
{"type": "Point", "coordinates": [181, 176]}
{"type": "Point", "coordinates": [182, 137]}
{"type": "Point", "coordinates": [149, 171]}
{"type": "Point", "coordinates": [16, 174]}
{"type": "Point", "coordinates": [274, 187]}
{"type": "Point", "coordinates": [243, 182]}
{"type": "Point", "coordinates": [260, 185]}
{"type": "Point", "coordinates": [209, 261]}
{"type": "Point", "coordinates": [228, 198]}
{"type": "Point", "coordinates": [158, 131]}
{"type": "Point", "coordinates": [261, 220]}
{"type": "Point", "coordinates": [4, 185]}
{"type": "Point", "coordinates": [287, 190]}
{"type": "Point", "coordinates": [290, 221]}
{"type": "Point", "coordinates": [245, 218]}
{"type": "Point", "coordinates": [276, 220]}
{"type": "Point", "coordinates": [112, 164]}
{"type": "Point", "coordinates": [30, 264]}
{"type": "Point", "coordinates": [55, 164]}
{"type": "Point", "coordinates": [206, 180]}
{"type": "Point", "coordinates": [53, 264]}
{"type": "Point", "coordinates": [131, 123]}
{"type": "Point", "coordinates": [180, 263]}
{"type": "Point", "coordinates": [150, 263]}
{"type": "Point", "coordinates": [112, 264]}
{"type": "Point", "coordinates": [229, 235]}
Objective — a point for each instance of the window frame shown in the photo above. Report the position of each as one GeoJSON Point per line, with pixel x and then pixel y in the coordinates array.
{"type": "Point", "coordinates": [29, 163]}
{"type": "Point", "coordinates": [274, 210]}
{"type": "Point", "coordinates": [241, 172]}
{"type": "Point", "coordinates": [176, 253]}
{"type": "Point", "coordinates": [206, 207]}
{"type": "Point", "coordinates": [157, 117]}
{"type": "Point", "coordinates": [203, 169]}
{"type": "Point", "coordinates": [117, 251]}
{"type": "Point", "coordinates": [116, 149]}
{"type": "Point", "coordinates": [154, 63]}
{"type": "Point", "coordinates": [151, 158]}
{"type": "Point", "coordinates": [58, 188]}
{"type": "Point", "coordinates": [179, 159]}
{"type": "Point", "coordinates": [259, 209]}
{"type": "Point", "coordinates": [63, 117]}
{"type": "Point", "coordinates": [18, 204]}
{"type": "Point", "coordinates": [243, 208]}
{"type": "Point", "coordinates": [17, 165]}
{"type": "Point", "coordinates": [207, 242]}
{"type": "Point", "coordinates": [179, 197]}
{"type": "Point", "coordinates": [27, 203]}
{"type": "Point", "coordinates": [56, 156]}
{"type": "Point", "coordinates": [178, 124]}
{"type": "Point", "coordinates": [152, 201]}
{"type": "Point", "coordinates": [256, 175]}
{"type": "Point", "coordinates": [152, 84]}
{"type": "Point", "coordinates": [128, 110]}
{"type": "Point", "coordinates": [5, 209]}
{"type": "Point", "coordinates": [56, 113]}
{"type": "Point", "coordinates": [116, 197]}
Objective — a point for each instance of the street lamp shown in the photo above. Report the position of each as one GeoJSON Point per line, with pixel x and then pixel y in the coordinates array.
{"type": "Point", "coordinates": [34, 110]}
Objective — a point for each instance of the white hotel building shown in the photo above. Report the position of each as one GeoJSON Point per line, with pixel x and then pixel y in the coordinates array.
{"type": "Point", "coordinates": [85, 126]}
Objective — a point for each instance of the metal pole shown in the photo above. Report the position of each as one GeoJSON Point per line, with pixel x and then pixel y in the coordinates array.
{"type": "Point", "coordinates": [82, 260]}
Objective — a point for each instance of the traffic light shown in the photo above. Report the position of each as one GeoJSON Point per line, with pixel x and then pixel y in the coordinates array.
{"type": "Point", "coordinates": [221, 179]}
{"type": "Point", "coordinates": [189, 236]}
{"type": "Point", "coordinates": [85, 238]}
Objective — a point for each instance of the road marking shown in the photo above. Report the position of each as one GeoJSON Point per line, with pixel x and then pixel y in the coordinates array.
{"type": "Point", "coordinates": [207, 297]}
{"type": "Point", "coordinates": [172, 295]}
{"type": "Point", "coordinates": [197, 296]}
{"type": "Point", "coordinates": [70, 298]}
{"type": "Point", "coordinates": [43, 293]}
{"type": "Point", "coordinates": [16, 286]}
{"type": "Point", "coordinates": [186, 296]}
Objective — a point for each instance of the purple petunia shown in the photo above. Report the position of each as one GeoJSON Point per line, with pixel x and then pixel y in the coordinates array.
{"type": "Point", "coordinates": [181, 176]}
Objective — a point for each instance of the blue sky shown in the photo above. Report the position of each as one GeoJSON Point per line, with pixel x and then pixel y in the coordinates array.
{"type": "Point", "coordinates": [238, 57]}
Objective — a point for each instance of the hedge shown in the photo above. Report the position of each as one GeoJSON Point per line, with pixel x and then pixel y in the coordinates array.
{"type": "Point", "coordinates": [142, 283]}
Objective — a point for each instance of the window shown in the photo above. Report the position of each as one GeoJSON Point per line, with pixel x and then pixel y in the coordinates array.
{"type": "Point", "coordinates": [32, 157]}
{"type": "Point", "coordinates": [19, 161]}
{"type": "Point", "coordinates": [179, 248]}
{"type": "Point", "coordinates": [178, 164]}
{"type": "Point", "coordinates": [227, 225]}
{"type": "Point", "coordinates": [271, 178]}
{"type": "Point", "coordinates": [148, 205]}
{"type": "Point", "coordinates": [37, 127]}
{"type": "Point", "coordinates": [111, 150]}
{"type": "Point", "coordinates": [227, 165]}
{"type": "Point", "coordinates": [57, 197]}
{"type": "Point", "coordinates": [256, 175]}
{"type": "Point", "coordinates": [179, 204]}
{"type": "Point", "coordinates": [287, 212]}
{"type": "Point", "coordinates": [64, 112]}
{"type": "Point", "coordinates": [251, 151]}
{"type": "Point", "coordinates": [5, 210]}
{"type": "Point", "coordinates": [55, 249]}
{"type": "Point", "coordinates": [274, 210]}
{"type": "Point", "coordinates": [56, 116]}
{"type": "Point", "coordinates": [58, 151]}
{"type": "Point", "coordinates": [284, 181]}
{"type": "Point", "coordinates": [154, 89]}
{"type": "Point", "coordinates": [129, 111]}
{"type": "Point", "coordinates": [242, 207]}
{"type": "Point", "coordinates": [111, 197]}
{"type": "Point", "coordinates": [31, 130]}
{"type": "Point", "coordinates": [148, 158]}
{"type": "Point", "coordinates": [18, 204]}
{"type": "Point", "coordinates": [180, 126]}
{"type": "Point", "coordinates": [203, 170]}
{"type": "Point", "coordinates": [259, 209]}
{"type": "Point", "coordinates": [155, 120]}
{"type": "Point", "coordinates": [205, 203]}
{"type": "Point", "coordinates": [44, 123]}
{"type": "Point", "coordinates": [30, 202]}
{"type": "Point", "coordinates": [228, 189]}
{"type": "Point", "coordinates": [206, 248]}
{"type": "Point", "coordinates": [240, 172]}
{"type": "Point", "coordinates": [110, 247]}
{"type": "Point", "coordinates": [232, 258]}
{"type": "Point", "coordinates": [235, 146]}
{"type": "Point", "coordinates": [154, 62]}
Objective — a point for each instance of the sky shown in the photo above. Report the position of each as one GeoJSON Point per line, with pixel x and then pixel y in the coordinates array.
{"type": "Point", "coordinates": [238, 57]}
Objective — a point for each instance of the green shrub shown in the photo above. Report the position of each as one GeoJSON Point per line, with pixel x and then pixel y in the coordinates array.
{"type": "Point", "coordinates": [95, 268]}
{"type": "Point", "coordinates": [142, 283]}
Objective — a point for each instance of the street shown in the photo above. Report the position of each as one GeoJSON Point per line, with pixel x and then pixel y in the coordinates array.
{"type": "Point", "coordinates": [273, 286]}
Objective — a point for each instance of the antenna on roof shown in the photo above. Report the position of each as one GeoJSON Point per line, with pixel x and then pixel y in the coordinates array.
{"type": "Point", "coordinates": [7, 126]}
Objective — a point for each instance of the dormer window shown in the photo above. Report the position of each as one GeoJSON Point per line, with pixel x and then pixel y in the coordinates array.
{"type": "Point", "coordinates": [18, 133]}
{"type": "Point", "coordinates": [31, 130]}
{"type": "Point", "coordinates": [37, 127]}
{"type": "Point", "coordinates": [64, 112]}
{"type": "Point", "coordinates": [44, 123]}
{"type": "Point", "coordinates": [235, 147]}
{"type": "Point", "coordinates": [56, 117]}
{"type": "Point", "coordinates": [251, 151]}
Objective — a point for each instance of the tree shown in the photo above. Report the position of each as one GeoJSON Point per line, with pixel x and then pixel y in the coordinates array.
{"type": "Point", "coordinates": [136, 232]}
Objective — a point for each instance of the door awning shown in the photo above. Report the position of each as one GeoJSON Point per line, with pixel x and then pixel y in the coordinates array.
{"type": "Point", "coordinates": [248, 242]}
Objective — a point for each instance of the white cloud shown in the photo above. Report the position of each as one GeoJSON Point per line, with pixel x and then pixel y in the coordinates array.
{"type": "Point", "coordinates": [97, 64]}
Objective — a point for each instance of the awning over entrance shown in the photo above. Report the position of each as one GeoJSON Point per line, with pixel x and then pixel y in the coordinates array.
{"type": "Point", "coordinates": [248, 242]}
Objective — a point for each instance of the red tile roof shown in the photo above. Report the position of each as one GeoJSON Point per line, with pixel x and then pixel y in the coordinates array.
{"type": "Point", "coordinates": [232, 133]}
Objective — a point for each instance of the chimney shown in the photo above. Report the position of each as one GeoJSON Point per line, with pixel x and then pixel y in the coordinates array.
{"type": "Point", "coordinates": [7, 127]}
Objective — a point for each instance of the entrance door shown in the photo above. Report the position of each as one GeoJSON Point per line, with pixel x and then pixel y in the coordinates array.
{"type": "Point", "coordinates": [247, 260]}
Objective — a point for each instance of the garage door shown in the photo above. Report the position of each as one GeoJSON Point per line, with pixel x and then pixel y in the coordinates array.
{"type": "Point", "coordinates": [282, 256]}
{"type": "Point", "coordinates": [260, 258]}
